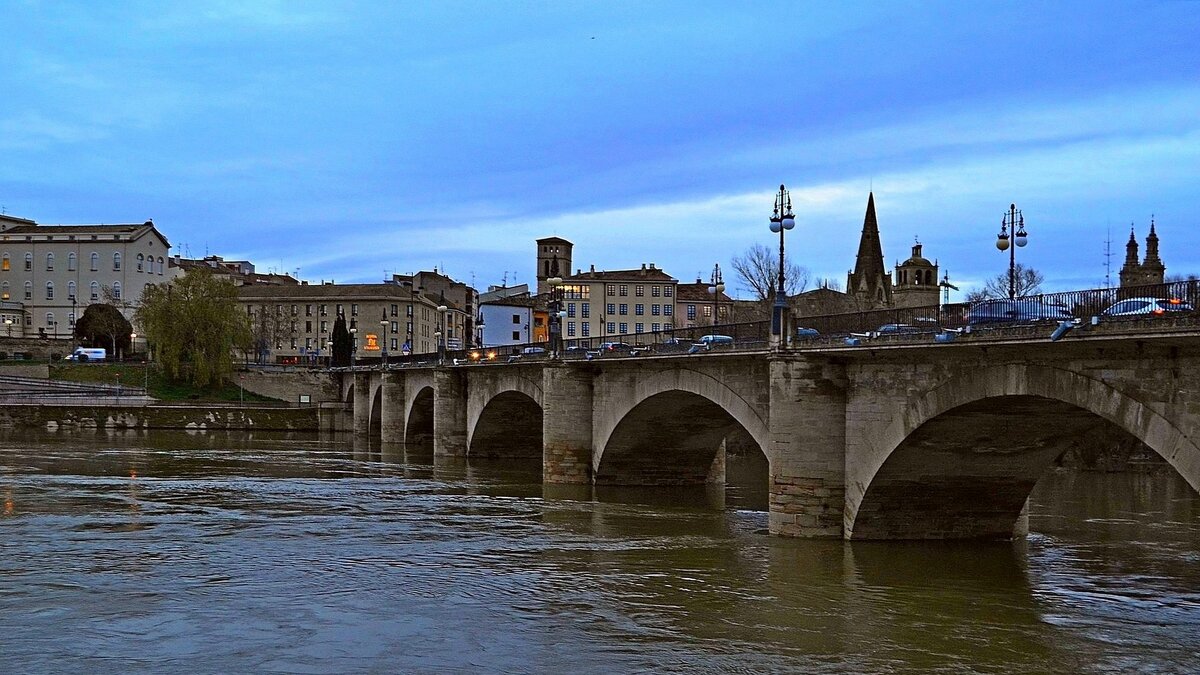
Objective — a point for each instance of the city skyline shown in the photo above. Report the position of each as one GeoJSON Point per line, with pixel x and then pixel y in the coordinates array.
{"type": "Point", "coordinates": [355, 141]}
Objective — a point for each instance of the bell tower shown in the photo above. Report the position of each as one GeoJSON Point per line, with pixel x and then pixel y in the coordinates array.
{"type": "Point", "coordinates": [551, 250]}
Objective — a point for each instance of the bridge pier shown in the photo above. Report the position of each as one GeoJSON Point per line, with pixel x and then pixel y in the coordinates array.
{"type": "Point", "coordinates": [362, 404]}
{"type": "Point", "coordinates": [449, 412]}
{"type": "Point", "coordinates": [566, 425]}
{"type": "Point", "coordinates": [807, 450]}
{"type": "Point", "coordinates": [391, 415]}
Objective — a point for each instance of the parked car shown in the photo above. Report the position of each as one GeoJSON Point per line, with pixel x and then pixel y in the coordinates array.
{"type": "Point", "coordinates": [1016, 310]}
{"type": "Point", "coordinates": [533, 350]}
{"type": "Point", "coordinates": [1147, 306]}
{"type": "Point", "coordinates": [711, 341]}
{"type": "Point", "coordinates": [807, 333]}
{"type": "Point", "coordinates": [83, 354]}
{"type": "Point", "coordinates": [610, 347]}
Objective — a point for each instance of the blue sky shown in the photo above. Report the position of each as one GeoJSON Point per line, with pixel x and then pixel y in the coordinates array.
{"type": "Point", "coordinates": [347, 139]}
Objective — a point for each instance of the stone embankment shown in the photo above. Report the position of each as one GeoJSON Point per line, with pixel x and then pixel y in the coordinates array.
{"type": "Point", "coordinates": [205, 417]}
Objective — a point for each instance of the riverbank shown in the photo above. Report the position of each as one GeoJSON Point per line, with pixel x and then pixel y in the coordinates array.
{"type": "Point", "coordinates": [208, 416]}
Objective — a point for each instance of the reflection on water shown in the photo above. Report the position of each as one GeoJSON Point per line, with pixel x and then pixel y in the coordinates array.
{"type": "Point", "coordinates": [169, 552]}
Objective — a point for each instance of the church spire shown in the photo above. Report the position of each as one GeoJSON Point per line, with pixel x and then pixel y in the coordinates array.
{"type": "Point", "coordinates": [1131, 248]}
{"type": "Point", "coordinates": [1152, 246]}
{"type": "Point", "coordinates": [869, 280]}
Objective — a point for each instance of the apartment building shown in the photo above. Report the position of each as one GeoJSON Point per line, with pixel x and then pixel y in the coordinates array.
{"type": "Point", "coordinates": [49, 274]}
{"type": "Point", "coordinates": [617, 304]}
{"type": "Point", "coordinates": [293, 323]}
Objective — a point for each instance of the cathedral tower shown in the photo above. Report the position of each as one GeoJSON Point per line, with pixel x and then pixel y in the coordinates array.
{"type": "Point", "coordinates": [870, 284]}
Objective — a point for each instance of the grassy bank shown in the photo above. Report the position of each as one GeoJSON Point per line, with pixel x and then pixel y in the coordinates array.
{"type": "Point", "coordinates": [155, 381]}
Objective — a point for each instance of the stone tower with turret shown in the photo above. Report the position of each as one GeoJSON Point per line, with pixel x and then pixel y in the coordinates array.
{"type": "Point", "coordinates": [869, 283]}
{"type": "Point", "coordinates": [1150, 271]}
{"type": "Point", "coordinates": [552, 252]}
{"type": "Point", "coordinates": [915, 283]}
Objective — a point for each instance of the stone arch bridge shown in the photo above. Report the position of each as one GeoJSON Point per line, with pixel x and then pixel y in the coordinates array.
{"type": "Point", "coordinates": [896, 441]}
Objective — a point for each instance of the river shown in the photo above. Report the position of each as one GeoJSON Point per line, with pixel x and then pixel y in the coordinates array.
{"type": "Point", "coordinates": [168, 552]}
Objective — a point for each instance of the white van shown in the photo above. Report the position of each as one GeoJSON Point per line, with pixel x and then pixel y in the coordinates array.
{"type": "Point", "coordinates": [88, 354]}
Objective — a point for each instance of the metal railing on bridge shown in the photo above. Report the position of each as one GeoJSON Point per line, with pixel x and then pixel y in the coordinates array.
{"type": "Point", "coordinates": [1157, 305]}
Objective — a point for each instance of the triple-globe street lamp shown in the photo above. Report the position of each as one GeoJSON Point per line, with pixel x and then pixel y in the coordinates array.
{"type": "Point", "coordinates": [1013, 221]}
{"type": "Point", "coordinates": [557, 313]}
{"type": "Point", "coordinates": [782, 219]}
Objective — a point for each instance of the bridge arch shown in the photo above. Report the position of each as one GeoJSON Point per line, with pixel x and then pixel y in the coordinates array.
{"type": "Point", "coordinates": [504, 418]}
{"type": "Point", "coordinates": [418, 417]}
{"type": "Point", "coordinates": [670, 429]}
{"type": "Point", "coordinates": [960, 460]}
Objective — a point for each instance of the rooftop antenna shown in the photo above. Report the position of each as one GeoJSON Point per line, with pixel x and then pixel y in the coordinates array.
{"type": "Point", "coordinates": [946, 287]}
{"type": "Point", "coordinates": [1108, 255]}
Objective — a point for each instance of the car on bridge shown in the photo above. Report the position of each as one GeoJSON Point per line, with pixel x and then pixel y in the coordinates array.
{"type": "Point", "coordinates": [1016, 310]}
{"type": "Point", "coordinates": [615, 347]}
{"type": "Point", "coordinates": [1147, 307]}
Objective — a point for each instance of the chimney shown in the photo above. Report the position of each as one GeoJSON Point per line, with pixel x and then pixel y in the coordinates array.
{"type": "Point", "coordinates": [651, 265]}
{"type": "Point", "coordinates": [643, 269]}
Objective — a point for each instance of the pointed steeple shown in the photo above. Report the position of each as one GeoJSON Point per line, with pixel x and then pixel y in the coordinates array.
{"type": "Point", "coordinates": [1131, 248]}
{"type": "Point", "coordinates": [869, 280]}
{"type": "Point", "coordinates": [1152, 246]}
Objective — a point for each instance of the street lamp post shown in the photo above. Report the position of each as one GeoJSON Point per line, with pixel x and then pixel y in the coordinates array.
{"type": "Point", "coordinates": [440, 333]}
{"type": "Point", "coordinates": [1014, 220]}
{"type": "Point", "coordinates": [554, 319]}
{"type": "Point", "coordinates": [329, 353]}
{"type": "Point", "coordinates": [353, 342]}
{"type": "Point", "coordinates": [8, 323]}
{"type": "Point", "coordinates": [782, 219]}
{"type": "Point", "coordinates": [383, 325]}
{"type": "Point", "coordinates": [715, 287]}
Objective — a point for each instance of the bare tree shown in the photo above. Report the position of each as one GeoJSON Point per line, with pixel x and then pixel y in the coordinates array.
{"type": "Point", "coordinates": [1028, 281]}
{"type": "Point", "coordinates": [758, 272]}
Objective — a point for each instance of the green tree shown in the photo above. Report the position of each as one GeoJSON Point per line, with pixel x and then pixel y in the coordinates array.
{"type": "Point", "coordinates": [195, 325]}
{"type": "Point", "coordinates": [103, 325]}
{"type": "Point", "coordinates": [342, 346]}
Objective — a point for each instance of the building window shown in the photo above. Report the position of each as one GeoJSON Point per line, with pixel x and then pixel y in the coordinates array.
{"type": "Point", "coordinates": [570, 329]}
{"type": "Point", "coordinates": [624, 290]}
{"type": "Point", "coordinates": [639, 290]}
{"type": "Point", "coordinates": [624, 328]}
{"type": "Point", "coordinates": [611, 327]}
{"type": "Point", "coordinates": [95, 261]}
{"type": "Point", "coordinates": [707, 310]}
{"type": "Point", "coordinates": [116, 290]}
{"type": "Point", "coordinates": [49, 290]}
{"type": "Point", "coordinates": [4, 291]}
{"type": "Point", "coordinates": [49, 262]}
{"type": "Point", "coordinates": [71, 319]}
{"type": "Point", "coordinates": [95, 289]}
{"type": "Point", "coordinates": [667, 291]}
{"type": "Point", "coordinates": [293, 343]}
{"type": "Point", "coordinates": [610, 289]}
{"type": "Point", "coordinates": [571, 310]}
{"type": "Point", "coordinates": [395, 346]}
{"type": "Point", "coordinates": [50, 319]}
{"type": "Point", "coordinates": [655, 309]}
{"type": "Point", "coordinates": [323, 313]}
{"type": "Point", "coordinates": [612, 309]}
{"type": "Point", "coordinates": [667, 309]}
{"type": "Point", "coordinates": [160, 265]}
{"type": "Point", "coordinates": [516, 318]}
{"type": "Point", "coordinates": [308, 310]}
{"type": "Point", "coordinates": [117, 261]}
{"type": "Point", "coordinates": [624, 309]}
{"type": "Point", "coordinates": [516, 335]}
{"type": "Point", "coordinates": [307, 326]}
{"type": "Point", "coordinates": [691, 312]}
{"type": "Point", "coordinates": [140, 264]}
{"type": "Point", "coordinates": [71, 291]}
{"type": "Point", "coordinates": [655, 291]}
{"type": "Point", "coordinates": [324, 326]}
{"type": "Point", "coordinates": [586, 327]}
{"type": "Point", "coordinates": [395, 312]}
{"type": "Point", "coordinates": [295, 310]}
{"type": "Point", "coordinates": [639, 328]}
{"type": "Point", "coordinates": [354, 309]}
{"type": "Point", "coordinates": [28, 290]}
{"type": "Point", "coordinates": [654, 328]}
{"type": "Point", "coordinates": [28, 262]}
{"type": "Point", "coordinates": [6, 263]}
{"type": "Point", "coordinates": [338, 308]}
{"type": "Point", "coordinates": [72, 260]}
{"type": "Point", "coordinates": [639, 309]}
